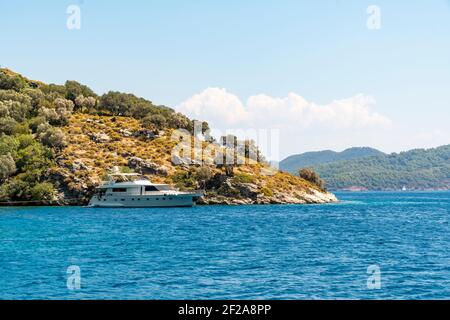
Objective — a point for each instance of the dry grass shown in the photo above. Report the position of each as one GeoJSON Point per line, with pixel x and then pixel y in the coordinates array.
{"type": "Point", "coordinates": [99, 158]}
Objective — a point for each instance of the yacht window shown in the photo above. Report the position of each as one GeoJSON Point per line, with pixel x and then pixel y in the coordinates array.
{"type": "Point", "coordinates": [122, 199]}
{"type": "Point", "coordinates": [163, 187]}
{"type": "Point", "coordinates": [170, 198]}
{"type": "Point", "coordinates": [150, 188]}
{"type": "Point", "coordinates": [119, 189]}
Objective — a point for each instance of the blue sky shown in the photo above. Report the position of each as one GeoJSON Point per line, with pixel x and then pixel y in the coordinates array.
{"type": "Point", "coordinates": [322, 51]}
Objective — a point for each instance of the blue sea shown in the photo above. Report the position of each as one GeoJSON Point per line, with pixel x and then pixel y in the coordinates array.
{"type": "Point", "coordinates": [231, 252]}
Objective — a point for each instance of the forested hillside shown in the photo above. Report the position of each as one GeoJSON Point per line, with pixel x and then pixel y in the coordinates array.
{"type": "Point", "coordinates": [309, 159]}
{"type": "Point", "coordinates": [415, 170]}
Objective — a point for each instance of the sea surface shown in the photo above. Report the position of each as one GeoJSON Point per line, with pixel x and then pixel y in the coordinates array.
{"type": "Point", "coordinates": [232, 252]}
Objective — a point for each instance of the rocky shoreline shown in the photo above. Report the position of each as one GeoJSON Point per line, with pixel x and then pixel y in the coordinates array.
{"type": "Point", "coordinates": [317, 198]}
{"type": "Point", "coordinates": [225, 193]}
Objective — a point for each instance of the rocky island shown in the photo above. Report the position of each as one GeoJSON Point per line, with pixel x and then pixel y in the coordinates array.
{"type": "Point", "coordinates": [57, 142]}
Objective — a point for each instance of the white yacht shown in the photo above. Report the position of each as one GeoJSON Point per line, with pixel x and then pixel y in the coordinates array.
{"type": "Point", "coordinates": [131, 190]}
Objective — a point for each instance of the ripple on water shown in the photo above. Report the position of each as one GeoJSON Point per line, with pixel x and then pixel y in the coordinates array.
{"type": "Point", "coordinates": [220, 252]}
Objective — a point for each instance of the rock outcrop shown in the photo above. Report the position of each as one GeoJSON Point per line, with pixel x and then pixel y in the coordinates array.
{"type": "Point", "coordinates": [147, 167]}
{"type": "Point", "coordinates": [100, 137]}
{"type": "Point", "coordinates": [223, 190]}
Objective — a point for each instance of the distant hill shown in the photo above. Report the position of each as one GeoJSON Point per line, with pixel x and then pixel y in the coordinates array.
{"type": "Point", "coordinates": [311, 159]}
{"type": "Point", "coordinates": [418, 169]}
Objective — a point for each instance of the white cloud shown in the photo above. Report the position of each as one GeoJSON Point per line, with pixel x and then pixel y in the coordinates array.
{"type": "Point", "coordinates": [302, 125]}
{"type": "Point", "coordinates": [216, 106]}
{"type": "Point", "coordinates": [226, 110]}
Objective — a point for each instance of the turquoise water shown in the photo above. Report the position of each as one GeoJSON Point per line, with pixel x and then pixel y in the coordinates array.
{"type": "Point", "coordinates": [246, 252]}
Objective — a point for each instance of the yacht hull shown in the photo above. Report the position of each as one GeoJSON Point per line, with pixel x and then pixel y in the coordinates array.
{"type": "Point", "coordinates": [144, 201]}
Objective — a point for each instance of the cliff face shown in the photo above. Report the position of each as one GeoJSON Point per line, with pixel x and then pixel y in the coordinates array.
{"type": "Point", "coordinates": [98, 144]}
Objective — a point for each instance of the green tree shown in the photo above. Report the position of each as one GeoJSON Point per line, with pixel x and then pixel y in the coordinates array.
{"type": "Point", "coordinates": [52, 137]}
{"type": "Point", "coordinates": [8, 125]}
{"type": "Point", "coordinates": [33, 157]}
{"type": "Point", "coordinates": [14, 109]}
{"type": "Point", "coordinates": [42, 191]}
{"type": "Point", "coordinates": [36, 97]}
{"type": "Point", "coordinates": [310, 175]}
{"type": "Point", "coordinates": [154, 121]}
{"type": "Point", "coordinates": [9, 145]}
{"type": "Point", "coordinates": [8, 82]}
{"type": "Point", "coordinates": [75, 89]}
{"type": "Point", "coordinates": [35, 122]}
{"type": "Point", "coordinates": [83, 103]}
{"type": "Point", "coordinates": [60, 114]}
{"type": "Point", "coordinates": [7, 166]}
{"type": "Point", "coordinates": [179, 121]}
{"type": "Point", "coordinates": [203, 174]}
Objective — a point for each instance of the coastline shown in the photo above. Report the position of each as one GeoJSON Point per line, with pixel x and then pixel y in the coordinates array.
{"type": "Point", "coordinates": [390, 190]}
{"type": "Point", "coordinates": [313, 198]}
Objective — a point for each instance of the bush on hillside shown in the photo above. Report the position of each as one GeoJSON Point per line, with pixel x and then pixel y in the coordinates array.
{"type": "Point", "coordinates": [7, 166]}
{"type": "Point", "coordinates": [310, 175]}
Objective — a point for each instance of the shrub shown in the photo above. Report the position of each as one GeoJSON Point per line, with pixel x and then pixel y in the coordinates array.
{"type": "Point", "coordinates": [36, 96]}
{"type": "Point", "coordinates": [35, 122]}
{"type": "Point", "coordinates": [33, 157]}
{"type": "Point", "coordinates": [203, 174]}
{"type": "Point", "coordinates": [60, 114]}
{"type": "Point", "coordinates": [9, 145]}
{"type": "Point", "coordinates": [244, 178]}
{"type": "Point", "coordinates": [8, 125]}
{"type": "Point", "coordinates": [75, 89]}
{"type": "Point", "coordinates": [42, 191]}
{"type": "Point", "coordinates": [55, 89]}
{"type": "Point", "coordinates": [14, 109]}
{"type": "Point", "coordinates": [25, 140]}
{"type": "Point", "coordinates": [7, 166]}
{"type": "Point", "coordinates": [4, 110]}
{"type": "Point", "coordinates": [267, 192]}
{"type": "Point", "coordinates": [184, 180]}
{"type": "Point", "coordinates": [11, 95]}
{"type": "Point", "coordinates": [64, 109]}
{"type": "Point", "coordinates": [154, 121]}
{"type": "Point", "coordinates": [22, 128]}
{"type": "Point", "coordinates": [141, 109]}
{"type": "Point", "coordinates": [16, 189]}
{"type": "Point", "coordinates": [310, 175]}
{"type": "Point", "coordinates": [15, 83]}
{"type": "Point", "coordinates": [124, 104]}
{"type": "Point", "coordinates": [179, 121]}
{"type": "Point", "coordinates": [50, 115]}
{"type": "Point", "coordinates": [52, 137]}
{"type": "Point", "coordinates": [83, 103]}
